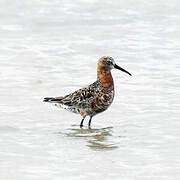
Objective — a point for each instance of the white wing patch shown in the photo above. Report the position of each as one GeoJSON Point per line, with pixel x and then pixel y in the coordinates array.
{"type": "Point", "coordinates": [68, 108]}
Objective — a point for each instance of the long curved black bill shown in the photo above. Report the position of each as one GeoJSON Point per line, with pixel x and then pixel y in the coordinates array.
{"type": "Point", "coordinates": [120, 68]}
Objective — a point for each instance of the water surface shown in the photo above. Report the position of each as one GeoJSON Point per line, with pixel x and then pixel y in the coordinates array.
{"type": "Point", "coordinates": [51, 48]}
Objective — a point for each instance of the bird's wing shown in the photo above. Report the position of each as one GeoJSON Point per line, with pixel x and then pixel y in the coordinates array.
{"type": "Point", "coordinates": [82, 98]}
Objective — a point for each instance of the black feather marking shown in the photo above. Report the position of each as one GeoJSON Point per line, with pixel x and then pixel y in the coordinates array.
{"type": "Point", "coordinates": [48, 99]}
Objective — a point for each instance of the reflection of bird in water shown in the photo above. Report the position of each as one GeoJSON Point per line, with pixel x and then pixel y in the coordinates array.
{"type": "Point", "coordinates": [97, 138]}
{"type": "Point", "coordinates": [94, 99]}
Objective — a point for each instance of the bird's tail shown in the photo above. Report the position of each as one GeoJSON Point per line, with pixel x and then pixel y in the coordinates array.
{"type": "Point", "coordinates": [52, 100]}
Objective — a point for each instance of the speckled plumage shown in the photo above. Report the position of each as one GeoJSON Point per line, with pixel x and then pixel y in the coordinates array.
{"type": "Point", "coordinates": [95, 98]}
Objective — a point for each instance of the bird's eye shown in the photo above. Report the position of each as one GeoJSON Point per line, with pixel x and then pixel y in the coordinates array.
{"type": "Point", "coordinates": [109, 62]}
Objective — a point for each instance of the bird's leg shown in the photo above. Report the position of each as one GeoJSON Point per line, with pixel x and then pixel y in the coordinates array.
{"type": "Point", "coordinates": [89, 124]}
{"type": "Point", "coordinates": [83, 115]}
{"type": "Point", "coordinates": [81, 125]}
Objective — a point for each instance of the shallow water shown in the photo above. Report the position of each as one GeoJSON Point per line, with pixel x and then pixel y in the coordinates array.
{"type": "Point", "coordinates": [51, 48]}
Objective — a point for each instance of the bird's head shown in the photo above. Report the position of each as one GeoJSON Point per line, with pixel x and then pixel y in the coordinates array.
{"type": "Point", "coordinates": [107, 63]}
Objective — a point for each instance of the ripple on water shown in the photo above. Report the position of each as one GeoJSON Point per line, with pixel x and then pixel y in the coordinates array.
{"type": "Point", "coordinates": [97, 139]}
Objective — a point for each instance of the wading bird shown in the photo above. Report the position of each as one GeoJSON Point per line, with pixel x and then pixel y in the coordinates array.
{"type": "Point", "coordinates": [95, 98]}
